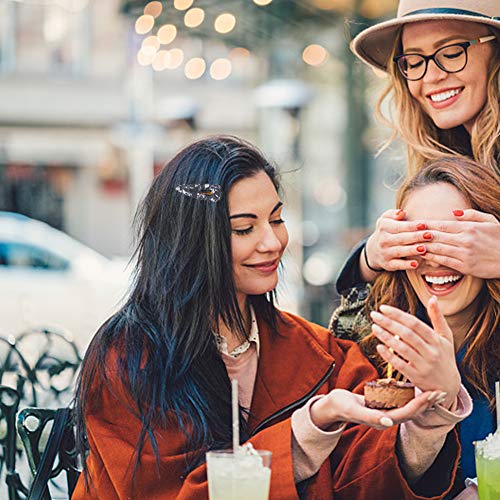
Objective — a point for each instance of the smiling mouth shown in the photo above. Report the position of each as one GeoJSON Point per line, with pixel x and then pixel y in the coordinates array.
{"type": "Point", "coordinates": [440, 97]}
{"type": "Point", "coordinates": [441, 285]}
{"type": "Point", "coordinates": [270, 265]}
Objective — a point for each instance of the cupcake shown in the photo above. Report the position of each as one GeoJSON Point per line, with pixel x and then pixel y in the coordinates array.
{"type": "Point", "coordinates": [387, 393]}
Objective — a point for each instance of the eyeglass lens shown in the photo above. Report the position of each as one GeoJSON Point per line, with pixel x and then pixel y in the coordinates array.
{"type": "Point", "coordinates": [450, 59]}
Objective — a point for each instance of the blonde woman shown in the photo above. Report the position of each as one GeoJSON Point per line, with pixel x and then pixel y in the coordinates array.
{"type": "Point", "coordinates": [443, 62]}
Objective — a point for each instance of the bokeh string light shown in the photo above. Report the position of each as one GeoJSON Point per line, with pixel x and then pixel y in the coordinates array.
{"type": "Point", "coordinates": [151, 41]}
{"type": "Point", "coordinates": [160, 60]}
{"type": "Point", "coordinates": [144, 24]}
{"type": "Point", "coordinates": [153, 9]}
{"type": "Point", "coordinates": [193, 15]}
{"type": "Point", "coordinates": [183, 4]}
{"type": "Point", "coordinates": [225, 23]}
{"type": "Point", "coordinates": [239, 52]}
{"type": "Point", "coordinates": [315, 55]}
{"type": "Point", "coordinates": [175, 58]}
{"type": "Point", "coordinates": [167, 34]}
{"type": "Point", "coordinates": [220, 69]}
{"type": "Point", "coordinates": [195, 68]}
{"type": "Point", "coordinates": [146, 55]}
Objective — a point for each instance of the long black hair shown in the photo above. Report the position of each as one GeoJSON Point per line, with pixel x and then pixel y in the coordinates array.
{"type": "Point", "coordinates": [183, 286]}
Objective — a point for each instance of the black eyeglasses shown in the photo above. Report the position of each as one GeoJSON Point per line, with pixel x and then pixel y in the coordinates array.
{"type": "Point", "coordinates": [451, 58]}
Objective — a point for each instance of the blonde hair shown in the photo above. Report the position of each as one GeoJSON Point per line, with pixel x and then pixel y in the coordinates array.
{"type": "Point", "coordinates": [424, 140]}
{"type": "Point", "coordinates": [482, 189]}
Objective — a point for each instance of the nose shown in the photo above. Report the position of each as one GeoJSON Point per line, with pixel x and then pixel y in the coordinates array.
{"type": "Point", "coordinates": [269, 242]}
{"type": "Point", "coordinates": [433, 264]}
{"type": "Point", "coordinates": [434, 73]}
{"type": "Point", "coordinates": [426, 265]}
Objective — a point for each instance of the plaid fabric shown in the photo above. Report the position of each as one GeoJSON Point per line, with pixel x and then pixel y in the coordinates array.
{"type": "Point", "coordinates": [349, 320]}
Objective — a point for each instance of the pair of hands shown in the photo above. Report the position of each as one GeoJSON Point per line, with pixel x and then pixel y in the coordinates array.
{"type": "Point", "coordinates": [340, 406]}
{"type": "Point", "coordinates": [424, 355]}
{"type": "Point", "coordinates": [468, 245]}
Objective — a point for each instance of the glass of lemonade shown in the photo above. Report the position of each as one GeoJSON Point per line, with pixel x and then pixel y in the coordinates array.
{"type": "Point", "coordinates": [488, 467]}
{"type": "Point", "coordinates": [244, 476]}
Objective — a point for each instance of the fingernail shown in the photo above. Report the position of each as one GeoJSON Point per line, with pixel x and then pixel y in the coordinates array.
{"type": "Point", "coordinates": [427, 236]}
{"type": "Point", "coordinates": [458, 213]}
{"type": "Point", "coordinates": [413, 263]}
{"type": "Point", "coordinates": [421, 248]}
{"type": "Point", "coordinates": [386, 422]}
{"type": "Point", "coordinates": [440, 398]}
{"type": "Point", "coordinates": [432, 395]}
{"type": "Point", "coordinates": [421, 227]}
{"type": "Point", "coordinates": [376, 315]}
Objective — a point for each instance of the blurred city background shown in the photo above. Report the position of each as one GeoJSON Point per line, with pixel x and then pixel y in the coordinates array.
{"type": "Point", "coordinates": [95, 97]}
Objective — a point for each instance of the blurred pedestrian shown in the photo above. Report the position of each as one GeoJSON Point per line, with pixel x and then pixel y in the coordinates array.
{"type": "Point", "coordinates": [154, 392]}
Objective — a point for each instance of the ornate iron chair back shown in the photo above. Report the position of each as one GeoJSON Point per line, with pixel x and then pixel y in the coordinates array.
{"type": "Point", "coordinates": [38, 368]}
{"type": "Point", "coordinates": [33, 425]}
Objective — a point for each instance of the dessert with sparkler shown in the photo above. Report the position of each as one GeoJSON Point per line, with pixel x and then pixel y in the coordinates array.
{"type": "Point", "coordinates": [388, 393]}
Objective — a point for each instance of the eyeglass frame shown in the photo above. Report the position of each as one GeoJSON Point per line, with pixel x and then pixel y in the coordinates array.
{"type": "Point", "coordinates": [432, 57]}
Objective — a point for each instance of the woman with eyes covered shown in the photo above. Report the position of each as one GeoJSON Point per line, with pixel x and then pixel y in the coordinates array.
{"type": "Point", "coordinates": [154, 392]}
{"type": "Point", "coordinates": [398, 300]}
{"type": "Point", "coordinates": [442, 58]}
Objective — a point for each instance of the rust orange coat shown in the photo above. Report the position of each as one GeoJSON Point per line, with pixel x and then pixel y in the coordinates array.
{"type": "Point", "coordinates": [364, 465]}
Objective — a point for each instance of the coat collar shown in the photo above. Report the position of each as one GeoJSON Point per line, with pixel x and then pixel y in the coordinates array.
{"type": "Point", "coordinates": [291, 363]}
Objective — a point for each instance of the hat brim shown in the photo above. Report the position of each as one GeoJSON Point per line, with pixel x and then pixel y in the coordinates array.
{"type": "Point", "coordinates": [374, 44]}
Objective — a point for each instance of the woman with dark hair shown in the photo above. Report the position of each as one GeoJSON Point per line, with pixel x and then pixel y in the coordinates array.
{"type": "Point", "coordinates": [154, 391]}
{"type": "Point", "coordinates": [470, 305]}
{"type": "Point", "coordinates": [442, 59]}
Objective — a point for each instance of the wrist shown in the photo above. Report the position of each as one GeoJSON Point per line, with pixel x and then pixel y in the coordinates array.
{"type": "Point", "coordinates": [451, 402]}
{"type": "Point", "coordinates": [323, 416]}
{"type": "Point", "coordinates": [369, 264]}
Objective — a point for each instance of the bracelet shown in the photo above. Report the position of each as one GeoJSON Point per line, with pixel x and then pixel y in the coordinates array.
{"type": "Point", "coordinates": [368, 264]}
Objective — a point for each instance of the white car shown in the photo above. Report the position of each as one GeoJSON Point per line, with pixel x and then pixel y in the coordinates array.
{"type": "Point", "coordinates": [48, 279]}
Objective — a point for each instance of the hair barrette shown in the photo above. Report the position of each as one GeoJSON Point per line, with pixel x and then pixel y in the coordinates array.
{"type": "Point", "coordinates": [205, 192]}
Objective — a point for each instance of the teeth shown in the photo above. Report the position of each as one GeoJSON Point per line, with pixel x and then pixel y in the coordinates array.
{"type": "Point", "coordinates": [444, 95]}
{"type": "Point", "coordinates": [441, 280]}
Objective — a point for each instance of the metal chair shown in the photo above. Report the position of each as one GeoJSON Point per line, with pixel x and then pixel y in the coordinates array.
{"type": "Point", "coordinates": [60, 452]}
{"type": "Point", "coordinates": [37, 369]}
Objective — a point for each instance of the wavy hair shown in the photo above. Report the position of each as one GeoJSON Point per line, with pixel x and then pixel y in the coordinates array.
{"type": "Point", "coordinates": [183, 287]}
{"type": "Point", "coordinates": [425, 141]}
{"type": "Point", "coordinates": [482, 189]}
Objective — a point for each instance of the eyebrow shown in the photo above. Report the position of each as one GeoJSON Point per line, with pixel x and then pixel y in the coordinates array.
{"type": "Point", "coordinates": [437, 44]}
{"type": "Point", "coordinates": [253, 216]}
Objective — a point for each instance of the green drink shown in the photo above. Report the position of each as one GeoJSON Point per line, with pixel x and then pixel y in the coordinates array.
{"type": "Point", "coordinates": [488, 467]}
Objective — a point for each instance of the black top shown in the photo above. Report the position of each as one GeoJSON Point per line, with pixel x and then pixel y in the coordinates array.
{"type": "Point", "coordinates": [350, 275]}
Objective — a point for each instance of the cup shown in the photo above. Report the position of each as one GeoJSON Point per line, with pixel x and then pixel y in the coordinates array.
{"type": "Point", "coordinates": [238, 477]}
{"type": "Point", "coordinates": [487, 454]}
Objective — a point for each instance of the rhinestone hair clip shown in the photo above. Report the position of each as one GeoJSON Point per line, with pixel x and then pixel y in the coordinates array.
{"type": "Point", "coordinates": [205, 192]}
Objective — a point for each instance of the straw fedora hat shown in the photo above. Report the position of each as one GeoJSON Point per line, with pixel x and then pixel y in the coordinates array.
{"type": "Point", "coordinates": [374, 45]}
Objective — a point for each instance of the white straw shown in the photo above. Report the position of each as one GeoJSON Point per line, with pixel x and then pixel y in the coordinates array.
{"type": "Point", "coordinates": [497, 395]}
{"type": "Point", "coordinates": [236, 416]}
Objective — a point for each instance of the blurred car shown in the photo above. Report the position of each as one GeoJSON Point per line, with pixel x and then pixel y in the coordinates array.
{"type": "Point", "coordinates": [50, 280]}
